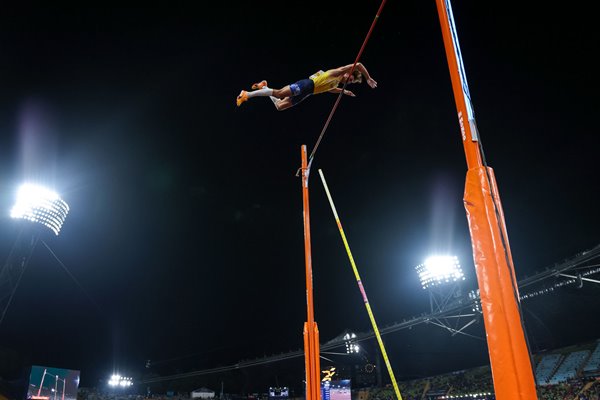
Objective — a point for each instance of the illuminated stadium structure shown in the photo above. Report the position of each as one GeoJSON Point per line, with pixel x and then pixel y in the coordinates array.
{"type": "Point", "coordinates": [351, 347]}
{"type": "Point", "coordinates": [465, 306]}
{"type": "Point", "coordinates": [41, 209]}
{"type": "Point", "coordinates": [439, 270]}
{"type": "Point", "coordinates": [441, 276]}
{"type": "Point", "coordinates": [117, 380]}
{"type": "Point", "coordinates": [40, 205]}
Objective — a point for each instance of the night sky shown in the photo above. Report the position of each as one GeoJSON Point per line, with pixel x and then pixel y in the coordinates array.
{"type": "Point", "coordinates": [184, 243]}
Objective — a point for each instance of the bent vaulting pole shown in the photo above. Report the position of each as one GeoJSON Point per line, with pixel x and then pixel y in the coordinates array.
{"type": "Point", "coordinates": [510, 360]}
{"type": "Point", "coordinates": [311, 331]}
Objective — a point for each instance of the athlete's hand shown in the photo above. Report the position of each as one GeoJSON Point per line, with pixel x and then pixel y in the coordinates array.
{"type": "Point", "coordinates": [349, 93]}
{"type": "Point", "coordinates": [372, 83]}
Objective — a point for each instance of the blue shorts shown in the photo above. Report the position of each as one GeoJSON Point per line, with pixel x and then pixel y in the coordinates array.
{"type": "Point", "coordinates": [301, 90]}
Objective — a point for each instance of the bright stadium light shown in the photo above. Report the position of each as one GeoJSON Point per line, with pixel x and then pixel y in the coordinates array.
{"type": "Point", "coordinates": [438, 270]}
{"type": "Point", "coordinates": [351, 347]}
{"type": "Point", "coordinates": [114, 380]}
{"type": "Point", "coordinates": [117, 380]}
{"type": "Point", "coordinates": [40, 205]}
{"type": "Point", "coordinates": [476, 301]}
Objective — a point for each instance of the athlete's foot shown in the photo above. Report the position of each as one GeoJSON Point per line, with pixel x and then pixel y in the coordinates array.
{"type": "Point", "coordinates": [259, 85]}
{"type": "Point", "coordinates": [242, 97]}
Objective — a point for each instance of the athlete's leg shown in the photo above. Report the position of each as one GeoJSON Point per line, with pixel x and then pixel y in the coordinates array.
{"type": "Point", "coordinates": [280, 97]}
{"type": "Point", "coordinates": [283, 104]}
{"type": "Point", "coordinates": [299, 91]}
{"type": "Point", "coordinates": [285, 93]}
{"type": "Point", "coordinates": [260, 92]}
{"type": "Point", "coordinates": [282, 93]}
{"type": "Point", "coordinates": [266, 91]}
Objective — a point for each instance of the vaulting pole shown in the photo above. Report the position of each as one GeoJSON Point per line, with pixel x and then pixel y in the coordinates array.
{"type": "Point", "coordinates": [311, 331]}
{"type": "Point", "coordinates": [510, 360]}
{"type": "Point", "coordinates": [362, 289]}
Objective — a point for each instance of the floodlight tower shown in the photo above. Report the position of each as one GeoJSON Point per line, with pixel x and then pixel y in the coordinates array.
{"type": "Point", "coordinates": [41, 209]}
{"type": "Point", "coordinates": [441, 276]}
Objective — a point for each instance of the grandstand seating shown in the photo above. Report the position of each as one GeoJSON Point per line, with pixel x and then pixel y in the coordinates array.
{"type": "Point", "coordinates": [593, 363]}
{"type": "Point", "coordinates": [546, 367]}
{"type": "Point", "coordinates": [569, 367]}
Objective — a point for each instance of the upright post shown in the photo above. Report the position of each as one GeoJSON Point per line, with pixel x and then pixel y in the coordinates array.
{"type": "Point", "coordinates": [510, 360]}
{"type": "Point", "coordinates": [42, 383]}
{"type": "Point", "coordinates": [311, 331]}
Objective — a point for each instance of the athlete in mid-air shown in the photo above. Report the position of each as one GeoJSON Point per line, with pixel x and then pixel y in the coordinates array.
{"type": "Point", "coordinates": [320, 82]}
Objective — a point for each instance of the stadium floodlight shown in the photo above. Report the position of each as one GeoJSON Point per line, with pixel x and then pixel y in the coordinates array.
{"type": "Point", "coordinates": [351, 347]}
{"type": "Point", "coordinates": [117, 380]}
{"type": "Point", "coordinates": [438, 270]}
{"type": "Point", "coordinates": [476, 301]}
{"type": "Point", "coordinates": [40, 205]}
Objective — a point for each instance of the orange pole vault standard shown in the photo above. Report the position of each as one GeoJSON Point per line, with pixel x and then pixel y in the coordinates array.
{"type": "Point", "coordinates": [510, 359]}
{"type": "Point", "coordinates": [311, 331]}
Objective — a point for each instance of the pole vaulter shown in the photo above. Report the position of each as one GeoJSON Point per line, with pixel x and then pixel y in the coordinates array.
{"type": "Point", "coordinates": [510, 358]}
{"type": "Point", "coordinates": [311, 330]}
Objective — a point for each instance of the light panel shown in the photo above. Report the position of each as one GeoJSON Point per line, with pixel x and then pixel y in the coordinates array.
{"type": "Point", "coordinates": [351, 347]}
{"type": "Point", "coordinates": [120, 381]}
{"type": "Point", "coordinates": [438, 270]}
{"type": "Point", "coordinates": [40, 205]}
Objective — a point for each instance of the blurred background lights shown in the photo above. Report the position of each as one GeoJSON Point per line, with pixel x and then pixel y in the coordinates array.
{"type": "Point", "coordinates": [40, 205]}
{"type": "Point", "coordinates": [119, 381]}
{"type": "Point", "coordinates": [437, 270]}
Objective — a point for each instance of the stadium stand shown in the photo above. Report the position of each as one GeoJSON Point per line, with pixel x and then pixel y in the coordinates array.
{"type": "Point", "coordinates": [546, 367]}
{"type": "Point", "coordinates": [569, 367]}
{"type": "Point", "coordinates": [593, 364]}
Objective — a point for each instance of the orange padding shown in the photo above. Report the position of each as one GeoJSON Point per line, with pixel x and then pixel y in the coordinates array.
{"type": "Point", "coordinates": [509, 356]}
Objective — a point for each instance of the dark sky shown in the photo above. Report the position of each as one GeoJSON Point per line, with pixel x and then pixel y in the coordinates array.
{"type": "Point", "coordinates": [184, 243]}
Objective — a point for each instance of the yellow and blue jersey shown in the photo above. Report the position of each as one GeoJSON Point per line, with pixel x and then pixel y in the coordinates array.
{"type": "Point", "coordinates": [324, 82]}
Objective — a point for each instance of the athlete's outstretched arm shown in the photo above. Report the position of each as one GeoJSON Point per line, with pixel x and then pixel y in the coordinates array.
{"type": "Point", "coordinates": [360, 67]}
{"type": "Point", "coordinates": [341, 70]}
{"type": "Point", "coordinates": [363, 70]}
{"type": "Point", "coordinates": [338, 90]}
